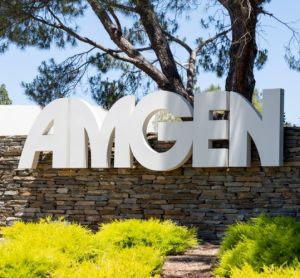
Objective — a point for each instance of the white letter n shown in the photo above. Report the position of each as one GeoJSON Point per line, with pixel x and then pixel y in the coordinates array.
{"type": "Point", "coordinates": [266, 130]}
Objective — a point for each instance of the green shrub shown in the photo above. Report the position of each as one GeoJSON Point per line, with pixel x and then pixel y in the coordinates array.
{"type": "Point", "coordinates": [139, 262]}
{"type": "Point", "coordinates": [71, 240]}
{"type": "Point", "coordinates": [262, 241]}
{"type": "Point", "coordinates": [59, 249]}
{"type": "Point", "coordinates": [164, 236]}
{"type": "Point", "coordinates": [268, 272]}
{"type": "Point", "coordinates": [37, 250]}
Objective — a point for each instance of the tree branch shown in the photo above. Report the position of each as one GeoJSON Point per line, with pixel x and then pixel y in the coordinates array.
{"type": "Point", "coordinates": [210, 40]}
{"type": "Point", "coordinates": [161, 47]}
{"type": "Point", "coordinates": [116, 19]}
{"type": "Point", "coordinates": [86, 40]}
{"type": "Point", "coordinates": [278, 20]}
{"type": "Point", "coordinates": [191, 70]}
{"type": "Point", "coordinates": [139, 60]}
{"type": "Point", "coordinates": [180, 42]}
{"type": "Point", "coordinates": [124, 7]}
{"type": "Point", "coordinates": [181, 65]}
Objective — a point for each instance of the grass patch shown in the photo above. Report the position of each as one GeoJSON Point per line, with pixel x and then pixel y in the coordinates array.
{"type": "Point", "coordinates": [264, 244]}
{"type": "Point", "coordinates": [129, 248]}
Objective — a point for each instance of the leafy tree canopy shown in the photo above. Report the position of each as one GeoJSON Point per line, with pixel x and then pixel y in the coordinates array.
{"type": "Point", "coordinates": [4, 97]}
{"type": "Point", "coordinates": [145, 41]}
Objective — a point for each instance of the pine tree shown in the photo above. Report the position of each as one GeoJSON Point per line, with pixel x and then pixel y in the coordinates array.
{"type": "Point", "coordinates": [4, 97]}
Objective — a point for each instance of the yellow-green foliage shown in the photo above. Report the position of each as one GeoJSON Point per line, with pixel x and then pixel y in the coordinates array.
{"type": "Point", "coordinates": [164, 236]}
{"type": "Point", "coordinates": [262, 242]}
{"type": "Point", "coordinates": [59, 249]}
{"type": "Point", "coordinates": [72, 240]}
{"type": "Point", "coordinates": [140, 262]}
{"type": "Point", "coordinates": [268, 272]}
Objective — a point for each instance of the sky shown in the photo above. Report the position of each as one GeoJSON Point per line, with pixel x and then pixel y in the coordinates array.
{"type": "Point", "coordinates": [21, 65]}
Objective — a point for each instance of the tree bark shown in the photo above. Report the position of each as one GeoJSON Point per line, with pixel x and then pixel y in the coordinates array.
{"type": "Point", "coordinates": [161, 48]}
{"type": "Point", "coordinates": [243, 15]}
{"type": "Point", "coordinates": [116, 36]}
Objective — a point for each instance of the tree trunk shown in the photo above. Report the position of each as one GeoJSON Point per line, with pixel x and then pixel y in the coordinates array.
{"type": "Point", "coordinates": [161, 47]}
{"type": "Point", "coordinates": [243, 50]}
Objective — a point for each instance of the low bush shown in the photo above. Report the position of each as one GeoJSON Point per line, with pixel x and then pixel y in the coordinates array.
{"type": "Point", "coordinates": [268, 272]}
{"type": "Point", "coordinates": [165, 236]}
{"type": "Point", "coordinates": [129, 248]}
{"type": "Point", "coordinates": [140, 262]}
{"type": "Point", "coordinates": [261, 242]}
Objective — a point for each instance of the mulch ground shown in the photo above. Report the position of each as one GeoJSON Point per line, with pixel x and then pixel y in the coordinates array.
{"type": "Point", "coordinates": [195, 263]}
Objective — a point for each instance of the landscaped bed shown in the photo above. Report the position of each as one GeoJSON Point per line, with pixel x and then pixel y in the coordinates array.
{"type": "Point", "coordinates": [264, 247]}
{"type": "Point", "coordinates": [130, 248]}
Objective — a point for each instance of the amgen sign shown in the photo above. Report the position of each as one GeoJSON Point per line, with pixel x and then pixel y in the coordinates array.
{"type": "Point", "coordinates": [68, 127]}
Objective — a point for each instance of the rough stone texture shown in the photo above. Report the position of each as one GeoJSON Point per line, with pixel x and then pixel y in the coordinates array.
{"type": "Point", "coordinates": [209, 199]}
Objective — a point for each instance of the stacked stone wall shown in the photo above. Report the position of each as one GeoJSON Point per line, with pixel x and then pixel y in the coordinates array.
{"type": "Point", "coordinates": [209, 199]}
